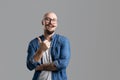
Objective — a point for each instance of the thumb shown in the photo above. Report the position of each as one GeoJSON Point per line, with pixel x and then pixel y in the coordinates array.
{"type": "Point", "coordinates": [40, 41]}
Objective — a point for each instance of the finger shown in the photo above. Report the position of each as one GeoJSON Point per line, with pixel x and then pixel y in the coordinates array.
{"type": "Point", "coordinates": [37, 68]}
{"type": "Point", "coordinates": [45, 41]}
{"type": "Point", "coordinates": [39, 40]}
{"type": "Point", "coordinates": [48, 46]}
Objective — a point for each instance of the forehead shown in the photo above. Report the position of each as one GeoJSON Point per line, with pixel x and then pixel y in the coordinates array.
{"type": "Point", "coordinates": [50, 15]}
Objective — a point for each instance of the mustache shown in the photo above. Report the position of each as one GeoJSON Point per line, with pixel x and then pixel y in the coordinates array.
{"type": "Point", "coordinates": [50, 25]}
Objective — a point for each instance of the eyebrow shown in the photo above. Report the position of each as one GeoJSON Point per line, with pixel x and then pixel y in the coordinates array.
{"type": "Point", "coordinates": [50, 18]}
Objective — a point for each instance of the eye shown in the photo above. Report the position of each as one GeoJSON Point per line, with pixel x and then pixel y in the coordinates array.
{"type": "Point", "coordinates": [48, 19]}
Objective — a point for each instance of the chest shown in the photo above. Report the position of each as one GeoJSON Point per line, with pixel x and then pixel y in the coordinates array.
{"type": "Point", "coordinates": [56, 50]}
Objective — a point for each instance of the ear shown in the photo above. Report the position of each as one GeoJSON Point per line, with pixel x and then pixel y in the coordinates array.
{"type": "Point", "coordinates": [42, 22]}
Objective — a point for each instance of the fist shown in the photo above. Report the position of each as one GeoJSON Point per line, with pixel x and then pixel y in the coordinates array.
{"type": "Point", "coordinates": [44, 45]}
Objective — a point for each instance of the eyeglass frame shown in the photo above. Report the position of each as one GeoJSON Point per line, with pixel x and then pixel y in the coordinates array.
{"type": "Point", "coordinates": [47, 19]}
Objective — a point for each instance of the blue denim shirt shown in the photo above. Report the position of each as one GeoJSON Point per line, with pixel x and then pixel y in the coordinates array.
{"type": "Point", "coordinates": [60, 52]}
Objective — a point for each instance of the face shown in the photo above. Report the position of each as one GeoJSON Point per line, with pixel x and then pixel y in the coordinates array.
{"type": "Point", "coordinates": [50, 23]}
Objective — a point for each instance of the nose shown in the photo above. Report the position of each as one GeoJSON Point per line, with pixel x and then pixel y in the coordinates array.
{"type": "Point", "coordinates": [50, 21]}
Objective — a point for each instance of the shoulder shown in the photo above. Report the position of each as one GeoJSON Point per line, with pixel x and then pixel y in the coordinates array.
{"type": "Point", "coordinates": [62, 38]}
{"type": "Point", "coordinates": [33, 41]}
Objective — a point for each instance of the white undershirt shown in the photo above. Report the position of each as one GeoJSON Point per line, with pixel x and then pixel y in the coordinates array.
{"type": "Point", "coordinates": [46, 75]}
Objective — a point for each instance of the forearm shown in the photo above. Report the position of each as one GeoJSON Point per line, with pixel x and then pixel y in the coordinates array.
{"type": "Point", "coordinates": [38, 55]}
{"type": "Point", "coordinates": [47, 67]}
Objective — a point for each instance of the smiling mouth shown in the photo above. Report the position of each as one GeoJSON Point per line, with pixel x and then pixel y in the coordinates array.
{"type": "Point", "coordinates": [51, 26]}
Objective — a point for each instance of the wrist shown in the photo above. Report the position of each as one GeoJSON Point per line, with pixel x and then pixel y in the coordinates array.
{"type": "Point", "coordinates": [41, 50]}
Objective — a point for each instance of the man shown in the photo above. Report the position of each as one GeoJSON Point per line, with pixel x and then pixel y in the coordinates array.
{"type": "Point", "coordinates": [49, 54]}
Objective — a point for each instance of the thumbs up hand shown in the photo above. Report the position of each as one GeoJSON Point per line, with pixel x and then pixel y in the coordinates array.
{"type": "Point", "coordinates": [44, 45]}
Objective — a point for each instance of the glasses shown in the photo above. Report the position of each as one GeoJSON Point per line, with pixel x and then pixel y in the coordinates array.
{"type": "Point", "coordinates": [47, 19]}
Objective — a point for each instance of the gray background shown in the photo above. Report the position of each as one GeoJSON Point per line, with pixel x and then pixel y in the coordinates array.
{"type": "Point", "coordinates": [93, 27]}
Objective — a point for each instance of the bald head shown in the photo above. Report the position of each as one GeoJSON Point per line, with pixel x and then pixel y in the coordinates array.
{"type": "Point", "coordinates": [50, 13]}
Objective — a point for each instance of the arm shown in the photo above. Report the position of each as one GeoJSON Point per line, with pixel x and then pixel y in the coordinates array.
{"type": "Point", "coordinates": [65, 54]}
{"type": "Point", "coordinates": [33, 55]}
{"type": "Point", "coordinates": [31, 63]}
{"type": "Point", "coordinates": [46, 67]}
{"type": "Point", "coordinates": [43, 47]}
{"type": "Point", "coordinates": [62, 62]}
{"type": "Point", "coordinates": [38, 55]}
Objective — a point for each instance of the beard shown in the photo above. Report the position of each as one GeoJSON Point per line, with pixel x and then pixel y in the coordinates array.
{"type": "Point", "coordinates": [49, 32]}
